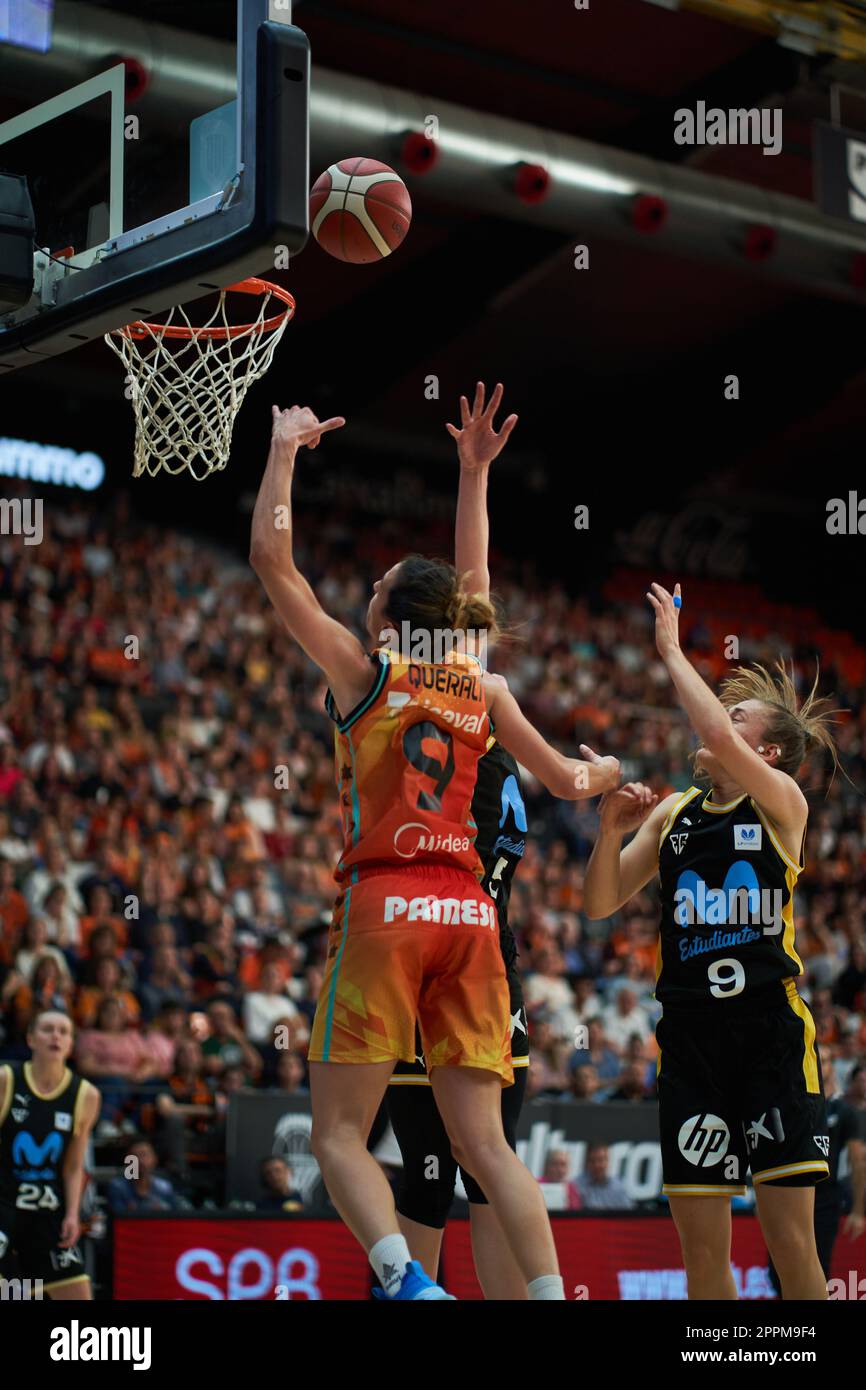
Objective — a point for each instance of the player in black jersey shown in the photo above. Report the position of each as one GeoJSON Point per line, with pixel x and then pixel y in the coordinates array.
{"type": "Point", "coordinates": [739, 1078]}
{"type": "Point", "coordinates": [46, 1116]}
{"type": "Point", "coordinates": [847, 1131]}
{"type": "Point", "coordinates": [429, 1170]}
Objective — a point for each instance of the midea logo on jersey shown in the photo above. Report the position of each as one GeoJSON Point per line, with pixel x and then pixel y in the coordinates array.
{"type": "Point", "coordinates": [703, 1140]}
{"type": "Point", "coordinates": [414, 838]}
{"type": "Point", "coordinates": [32, 1160]}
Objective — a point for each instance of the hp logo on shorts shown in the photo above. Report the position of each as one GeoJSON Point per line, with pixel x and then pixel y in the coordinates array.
{"type": "Point", "coordinates": [704, 1140]}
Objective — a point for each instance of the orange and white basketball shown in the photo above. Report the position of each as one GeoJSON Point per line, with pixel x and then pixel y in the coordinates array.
{"type": "Point", "coordinates": [360, 210]}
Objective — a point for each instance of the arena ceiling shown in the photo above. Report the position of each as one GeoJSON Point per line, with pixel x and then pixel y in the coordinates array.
{"type": "Point", "coordinates": [623, 365]}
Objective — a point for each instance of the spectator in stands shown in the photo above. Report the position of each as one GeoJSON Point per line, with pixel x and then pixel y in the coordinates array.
{"type": "Point", "coordinates": [290, 1074]}
{"type": "Point", "coordinates": [104, 880]}
{"type": "Point", "coordinates": [13, 848]}
{"type": "Point", "coordinates": [585, 1084]}
{"type": "Point", "coordinates": [634, 1084]}
{"type": "Point", "coordinates": [856, 1093]}
{"type": "Point", "coordinates": [107, 983]}
{"type": "Point", "coordinates": [227, 1046]}
{"type": "Point", "coordinates": [258, 877]}
{"type": "Point", "coordinates": [186, 1110]}
{"type": "Point", "coordinates": [267, 1005]}
{"type": "Point", "coordinates": [215, 962]}
{"type": "Point", "coordinates": [47, 988]}
{"type": "Point", "coordinates": [827, 1018]}
{"type": "Point", "coordinates": [645, 1052]}
{"type": "Point", "coordinates": [33, 946]}
{"type": "Point", "coordinates": [623, 1018]}
{"type": "Point", "coordinates": [100, 915]}
{"type": "Point", "coordinates": [113, 1055]}
{"type": "Point", "coordinates": [10, 771]}
{"type": "Point", "coordinates": [599, 1053]}
{"type": "Point", "coordinates": [62, 926]}
{"type": "Point", "coordinates": [587, 1002]}
{"type": "Point", "coordinates": [558, 1169]}
{"type": "Point", "coordinates": [14, 910]}
{"type": "Point", "coordinates": [278, 1182]}
{"type": "Point", "coordinates": [849, 1054]}
{"type": "Point", "coordinates": [55, 869]}
{"type": "Point", "coordinates": [143, 1189]}
{"type": "Point", "coordinates": [166, 982]}
{"type": "Point", "coordinates": [598, 1190]}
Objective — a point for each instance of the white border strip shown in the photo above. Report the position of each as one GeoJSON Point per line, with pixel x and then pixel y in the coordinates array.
{"type": "Point", "coordinates": [110, 83]}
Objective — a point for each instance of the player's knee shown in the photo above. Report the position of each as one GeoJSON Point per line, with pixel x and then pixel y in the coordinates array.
{"type": "Point", "coordinates": [790, 1246]}
{"type": "Point", "coordinates": [478, 1154]}
{"type": "Point", "coordinates": [702, 1256]}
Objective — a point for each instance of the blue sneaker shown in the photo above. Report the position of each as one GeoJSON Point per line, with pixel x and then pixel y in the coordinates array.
{"type": "Point", "coordinates": [415, 1285]}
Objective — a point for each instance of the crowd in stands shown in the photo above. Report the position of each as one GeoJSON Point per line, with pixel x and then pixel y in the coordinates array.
{"type": "Point", "coordinates": [169, 825]}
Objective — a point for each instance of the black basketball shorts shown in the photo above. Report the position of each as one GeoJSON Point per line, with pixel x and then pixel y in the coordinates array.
{"type": "Point", "coordinates": [30, 1249]}
{"type": "Point", "coordinates": [737, 1093]}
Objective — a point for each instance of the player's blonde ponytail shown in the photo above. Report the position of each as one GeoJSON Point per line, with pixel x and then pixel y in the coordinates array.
{"type": "Point", "coordinates": [798, 729]}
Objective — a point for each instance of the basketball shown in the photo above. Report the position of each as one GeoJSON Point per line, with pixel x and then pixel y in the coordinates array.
{"type": "Point", "coordinates": [360, 210]}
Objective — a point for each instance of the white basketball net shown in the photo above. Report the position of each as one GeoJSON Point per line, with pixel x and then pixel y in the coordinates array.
{"type": "Point", "coordinates": [186, 391]}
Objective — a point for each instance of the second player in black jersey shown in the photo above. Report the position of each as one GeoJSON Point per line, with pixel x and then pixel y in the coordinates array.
{"type": "Point", "coordinates": [739, 1078]}
{"type": "Point", "coordinates": [427, 1184]}
{"type": "Point", "coordinates": [46, 1115]}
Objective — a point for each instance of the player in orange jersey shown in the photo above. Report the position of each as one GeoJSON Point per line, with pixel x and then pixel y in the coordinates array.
{"type": "Point", "coordinates": [414, 936]}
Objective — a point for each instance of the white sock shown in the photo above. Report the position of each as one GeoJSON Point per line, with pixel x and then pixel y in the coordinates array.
{"type": "Point", "coordinates": [547, 1286]}
{"type": "Point", "coordinates": [389, 1258]}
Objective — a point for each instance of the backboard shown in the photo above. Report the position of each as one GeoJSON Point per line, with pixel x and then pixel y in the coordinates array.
{"type": "Point", "coordinates": [162, 162]}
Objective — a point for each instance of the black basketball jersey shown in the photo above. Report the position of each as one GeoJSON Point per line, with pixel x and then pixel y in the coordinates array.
{"type": "Point", "coordinates": [727, 922]}
{"type": "Point", "coordinates": [500, 815]}
{"type": "Point", "coordinates": [35, 1133]}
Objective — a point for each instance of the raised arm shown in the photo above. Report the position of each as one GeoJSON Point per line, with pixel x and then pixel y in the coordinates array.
{"type": "Point", "coordinates": [568, 778]}
{"type": "Point", "coordinates": [335, 650]}
{"type": "Point", "coordinates": [478, 445]}
{"type": "Point", "coordinates": [775, 792]}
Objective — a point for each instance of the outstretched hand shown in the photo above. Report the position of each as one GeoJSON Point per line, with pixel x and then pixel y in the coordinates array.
{"type": "Point", "coordinates": [298, 426]}
{"type": "Point", "coordinates": [626, 808]}
{"type": "Point", "coordinates": [478, 442]}
{"type": "Point", "coordinates": [667, 619]}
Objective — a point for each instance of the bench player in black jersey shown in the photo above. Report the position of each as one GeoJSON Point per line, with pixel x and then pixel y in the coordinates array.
{"type": "Point", "coordinates": [739, 1077]}
{"type": "Point", "coordinates": [429, 1170]}
{"type": "Point", "coordinates": [46, 1116]}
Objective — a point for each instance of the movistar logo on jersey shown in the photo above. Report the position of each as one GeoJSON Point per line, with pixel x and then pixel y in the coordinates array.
{"type": "Point", "coordinates": [515, 847]}
{"type": "Point", "coordinates": [740, 902]}
{"type": "Point", "coordinates": [748, 837]}
{"type": "Point", "coordinates": [34, 1161]}
{"type": "Point", "coordinates": [513, 801]}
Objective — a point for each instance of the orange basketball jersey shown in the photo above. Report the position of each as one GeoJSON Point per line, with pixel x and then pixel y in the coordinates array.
{"type": "Point", "coordinates": [406, 761]}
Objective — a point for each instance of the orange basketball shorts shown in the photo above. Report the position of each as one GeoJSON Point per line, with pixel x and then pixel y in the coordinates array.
{"type": "Point", "coordinates": [407, 945]}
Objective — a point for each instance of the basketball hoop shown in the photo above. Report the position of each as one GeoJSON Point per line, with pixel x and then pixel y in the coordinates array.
{"type": "Point", "coordinates": [189, 383]}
